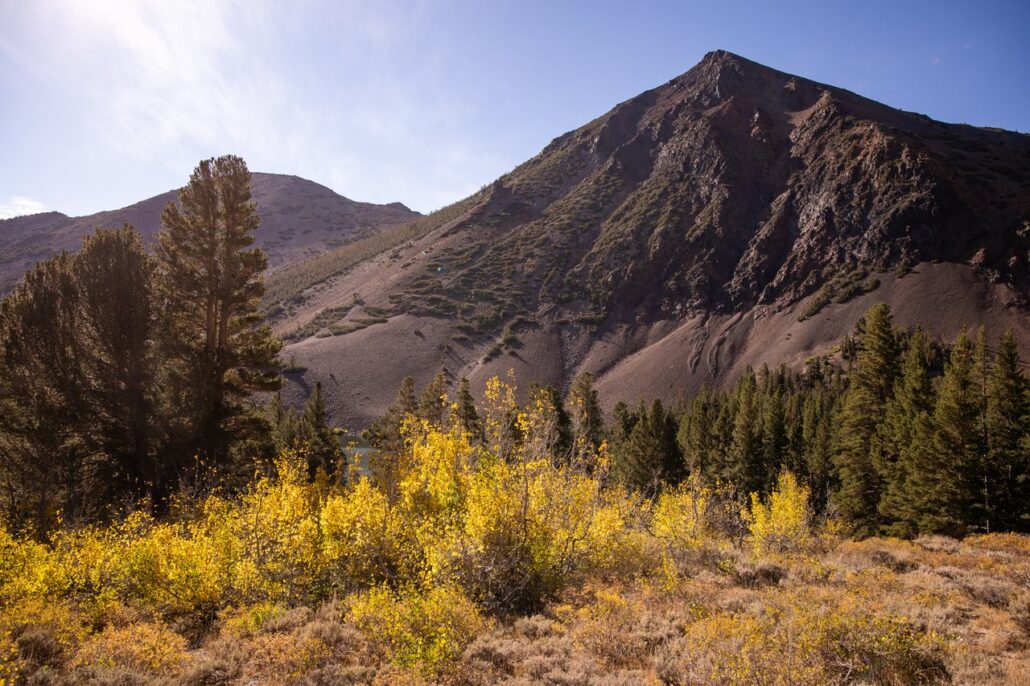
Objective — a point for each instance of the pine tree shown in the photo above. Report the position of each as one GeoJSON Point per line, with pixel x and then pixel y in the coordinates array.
{"type": "Point", "coordinates": [698, 435]}
{"type": "Point", "coordinates": [385, 437]}
{"type": "Point", "coordinates": [465, 412]}
{"type": "Point", "coordinates": [650, 456]}
{"type": "Point", "coordinates": [622, 423]}
{"type": "Point", "coordinates": [76, 336]}
{"type": "Point", "coordinates": [117, 359]}
{"type": "Point", "coordinates": [818, 413]}
{"type": "Point", "coordinates": [902, 446]}
{"type": "Point", "coordinates": [949, 486]}
{"type": "Point", "coordinates": [432, 406]}
{"type": "Point", "coordinates": [1008, 438]}
{"type": "Point", "coordinates": [41, 458]}
{"type": "Point", "coordinates": [774, 435]}
{"type": "Point", "coordinates": [744, 469]}
{"type": "Point", "coordinates": [981, 378]}
{"type": "Point", "coordinates": [586, 417]}
{"type": "Point", "coordinates": [872, 381]}
{"type": "Point", "coordinates": [316, 439]}
{"type": "Point", "coordinates": [385, 433]}
{"type": "Point", "coordinates": [284, 425]}
{"type": "Point", "coordinates": [209, 282]}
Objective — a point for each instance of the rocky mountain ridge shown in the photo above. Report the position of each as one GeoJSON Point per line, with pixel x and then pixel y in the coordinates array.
{"type": "Point", "coordinates": [734, 215]}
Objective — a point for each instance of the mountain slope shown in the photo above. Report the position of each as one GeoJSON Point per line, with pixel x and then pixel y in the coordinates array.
{"type": "Point", "coordinates": [735, 215]}
{"type": "Point", "coordinates": [299, 219]}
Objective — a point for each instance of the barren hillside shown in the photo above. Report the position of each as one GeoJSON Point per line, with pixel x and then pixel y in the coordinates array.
{"type": "Point", "coordinates": [735, 215]}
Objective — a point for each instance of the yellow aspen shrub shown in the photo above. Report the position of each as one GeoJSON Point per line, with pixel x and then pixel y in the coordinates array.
{"type": "Point", "coordinates": [277, 523]}
{"type": "Point", "coordinates": [681, 515]}
{"type": "Point", "coordinates": [488, 550]}
{"type": "Point", "coordinates": [528, 526]}
{"type": "Point", "coordinates": [439, 461]}
{"type": "Point", "coordinates": [28, 569]}
{"type": "Point", "coordinates": [427, 629]}
{"type": "Point", "coordinates": [249, 620]}
{"type": "Point", "coordinates": [362, 541]}
{"type": "Point", "coordinates": [780, 524]}
{"type": "Point", "coordinates": [174, 572]}
{"type": "Point", "coordinates": [500, 416]}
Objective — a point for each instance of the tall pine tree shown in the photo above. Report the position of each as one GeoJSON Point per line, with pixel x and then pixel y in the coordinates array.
{"type": "Point", "coordinates": [465, 412]}
{"type": "Point", "coordinates": [586, 417]}
{"type": "Point", "coordinates": [901, 448]}
{"type": "Point", "coordinates": [949, 484]}
{"type": "Point", "coordinates": [1008, 438]}
{"type": "Point", "coordinates": [872, 379]}
{"type": "Point", "coordinates": [316, 439]}
{"type": "Point", "coordinates": [217, 350]}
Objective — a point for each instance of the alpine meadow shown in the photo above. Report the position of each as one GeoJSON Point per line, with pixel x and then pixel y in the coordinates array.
{"type": "Point", "coordinates": [728, 386]}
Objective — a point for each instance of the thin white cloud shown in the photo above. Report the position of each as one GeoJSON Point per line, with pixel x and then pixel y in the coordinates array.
{"type": "Point", "coordinates": [167, 83]}
{"type": "Point", "coordinates": [17, 205]}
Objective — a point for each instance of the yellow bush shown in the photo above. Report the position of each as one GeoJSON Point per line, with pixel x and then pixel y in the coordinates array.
{"type": "Point", "coordinates": [28, 569]}
{"type": "Point", "coordinates": [362, 539]}
{"type": "Point", "coordinates": [426, 629]}
{"type": "Point", "coordinates": [681, 515]}
{"type": "Point", "coordinates": [276, 527]}
{"type": "Point", "coordinates": [250, 619]}
{"type": "Point", "coordinates": [526, 527]}
{"type": "Point", "coordinates": [782, 523]}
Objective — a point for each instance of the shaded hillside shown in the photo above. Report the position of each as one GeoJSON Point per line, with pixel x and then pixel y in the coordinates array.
{"type": "Point", "coordinates": [734, 215]}
{"type": "Point", "coordinates": [299, 219]}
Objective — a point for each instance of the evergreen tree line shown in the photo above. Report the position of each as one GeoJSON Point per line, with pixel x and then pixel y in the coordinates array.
{"type": "Point", "coordinates": [905, 436]}
{"type": "Point", "coordinates": [127, 374]}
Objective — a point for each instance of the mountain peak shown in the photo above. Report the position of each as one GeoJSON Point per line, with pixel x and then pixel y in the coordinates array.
{"type": "Point", "coordinates": [717, 56]}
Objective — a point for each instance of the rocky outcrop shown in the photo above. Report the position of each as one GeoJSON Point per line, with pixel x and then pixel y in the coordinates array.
{"type": "Point", "coordinates": [735, 185]}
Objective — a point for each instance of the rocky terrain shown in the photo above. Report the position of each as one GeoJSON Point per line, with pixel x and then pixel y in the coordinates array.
{"type": "Point", "coordinates": [299, 219]}
{"type": "Point", "coordinates": [735, 215]}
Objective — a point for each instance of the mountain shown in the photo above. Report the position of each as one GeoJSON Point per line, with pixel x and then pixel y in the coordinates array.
{"type": "Point", "coordinates": [299, 219]}
{"type": "Point", "coordinates": [734, 216]}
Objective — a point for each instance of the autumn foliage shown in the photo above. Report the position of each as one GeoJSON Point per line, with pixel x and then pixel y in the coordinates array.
{"type": "Point", "coordinates": [421, 573]}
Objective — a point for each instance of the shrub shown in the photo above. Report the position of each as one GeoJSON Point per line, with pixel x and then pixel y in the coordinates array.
{"type": "Point", "coordinates": [424, 629]}
{"type": "Point", "coordinates": [782, 523]}
{"type": "Point", "coordinates": [147, 648]}
{"type": "Point", "coordinates": [36, 633]}
{"type": "Point", "coordinates": [683, 516]}
{"type": "Point", "coordinates": [804, 641]}
{"type": "Point", "coordinates": [1019, 608]}
{"type": "Point", "coordinates": [361, 537]}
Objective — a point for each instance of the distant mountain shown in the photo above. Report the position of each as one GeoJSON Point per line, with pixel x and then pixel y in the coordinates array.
{"type": "Point", "coordinates": [299, 219]}
{"type": "Point", "coordinates": [736, 215]}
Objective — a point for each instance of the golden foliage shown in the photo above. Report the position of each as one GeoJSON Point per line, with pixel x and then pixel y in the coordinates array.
{"type": "Point", "coordinates": [781, 523]}
{"type": "Point", "coordinates": [418, 576]}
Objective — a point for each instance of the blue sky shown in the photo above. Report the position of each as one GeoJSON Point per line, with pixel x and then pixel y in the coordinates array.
{"type": "Point", "coordinates": [103, 103]}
